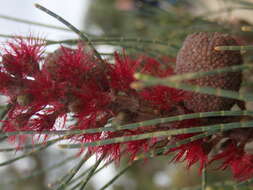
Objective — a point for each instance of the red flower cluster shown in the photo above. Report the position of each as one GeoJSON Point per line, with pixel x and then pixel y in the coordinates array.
{"type": "Point", "coordinates": [235, 157]}
{"type": "Point", "coordinates": [45, 88]}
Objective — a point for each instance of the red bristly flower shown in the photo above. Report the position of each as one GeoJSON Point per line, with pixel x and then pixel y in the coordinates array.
{"type": "Point", "coordinates": [162, 97]}
{"type": "Point", "coordinates": [21, 57]}
{"type": "Point", "coordinates": [191, 152]}
{"type": "Point", "coordinates": [70, 65]}
{"type": "Point", "coordinates": [122, 72]}
{"type": "Point", "coordinates": [155, 68]}
{"type": "Point", "coordinates": [69, 83]}
{"type": "Point", "coordinates": [240, 162]}
{"type": "Point", "coordinates": [6, 82]}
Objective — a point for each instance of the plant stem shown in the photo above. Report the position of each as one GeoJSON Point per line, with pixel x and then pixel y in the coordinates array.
{"type": "Point", "coordinates": [117, 176]}
{"type": "Point", "coordinates": [73, 28]}
{"type": "Point", "coordinates": [72, 173]}
{"type": "Point", "coordinates": [91, 173]}
{"type": "Point", "coordinates": [204, 178]}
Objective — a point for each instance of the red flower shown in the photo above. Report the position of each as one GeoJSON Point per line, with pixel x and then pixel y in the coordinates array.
{"type": "Point", "coordinates": [90, 109]}
{"type": "Point", "coordinates": [122, 72]}
{"type": "Point", "coordinates": [44, 91]}
{"type": "Point", "coordinates": [22, 56]}
{"type": "Point", "coordinates": [162, 97]}
{"type": "Point", "coordinates": [6, 83]}
{"type": "Point", "coordinates": [112, 151]}
{"type": "Point", "coordinates": [41, 122]}
{"type": "Point", "coordinates": [139, 146]}
{"type": "Point", "coordinates": [191, 152]}
{"type": "Point", "coordinates": [240, 162]}
{"type": "Point", "coordinates": [89, 98]}
{"type": "Point", "coordinates": [69, 83]}
{"type": "Point", "coordinates": [17, 120]}
{"type": "Point", "coordinates": [70, 65]}
{"type": "Point", "coordinates": [154, 68]}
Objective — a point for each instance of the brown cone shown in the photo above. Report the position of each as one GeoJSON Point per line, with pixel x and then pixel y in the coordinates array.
{"type": "Point", "coordinates": [198, 54]}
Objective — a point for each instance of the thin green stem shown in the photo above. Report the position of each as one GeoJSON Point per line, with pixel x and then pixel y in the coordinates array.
{"type": "Point", "coordinates": [27, 154]}
{"type": "Point", "coordinates": [118, 175]}
{"type": "Point", "coordinates": [41, 171]}
{"type": "Point", "coordinates": [85, 172]}
{"type": "Point", "coordinates": [204, 178]}
{"type": "Point", "coordinates": [31, 146]}
{"type": "Point", "coordinates": [168, 133]}
{"type": "Point", "coordinates": [111, 39]}
{"type": "Point", "coordinates": [91, 173]}
{"type": "Point", "coordinates": [234, 48]}
{"type": "Point", "coordinates": [67, 178]}
{"type": "Point", "coordinates": [73, 28]}
{"type": "Point", "coordinates": [4, 111]}
{"type": "Point", "coordinates": [147, 80]}
{"type": "Point", "coordinates": [98, 40]}
{"type": "Point", "coordinates": [244, 183]}
{"type": "Point", "coordinates": [135, 125]}
{"type": "Point", "coordinates": [15, 19]}
{"type": "Point", "coordinates": [161, 151]}
{"type": "Point", "coordinates": [186, 76]}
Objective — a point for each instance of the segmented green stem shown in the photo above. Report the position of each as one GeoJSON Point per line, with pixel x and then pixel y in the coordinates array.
{"type": "Point", "coordinates": [204, 178]}
{"type": "Point", "coordinates": [85, 172]}
{"type": "Point", "coordinates": [3, 114]}
{"type": "Point", "coordinates": [186, 76]}
{"type": "Point", "coordinates": [90, 174]}
{"type": "Point", "coordinates": [68, 177]}
{"type": "Point", "coordinates": [41, 171]}
{"type": "Point", "coordinates": [112, 39]}
{"type": "Point", "coordinates": [98, 40]}
{"type": "Point", "coordinates": [73, 28]}
{"type": "Point", "coordinates": [77, 178]}
{"type": "Point", "coordinates": [25, 21]}
{"type": "Point", "coordinates": [31, 146]}
{"type": "Point", "coordinates": [4, 111]}
{"type": "Point", "coordinates": [147, 80]}
{"type": "Point", "coordinates": [27, 154]}
{"type": "Point", "coordinates": [20, 148]}
{"type": "Point", "coordinates": [149, 51]}
{"type": "Point", "coordinates": [161, 151]}
{"type": "Point", "coordinates": [217, 127]}
{"type": "Point", "coordinates": [135, 125]}
{"type": "Point", "coordinates": [118, 175]}
{"type": "Point", "coordinates": [244, 183]}
{"type": "Point", "coordinates": [234, 48]}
